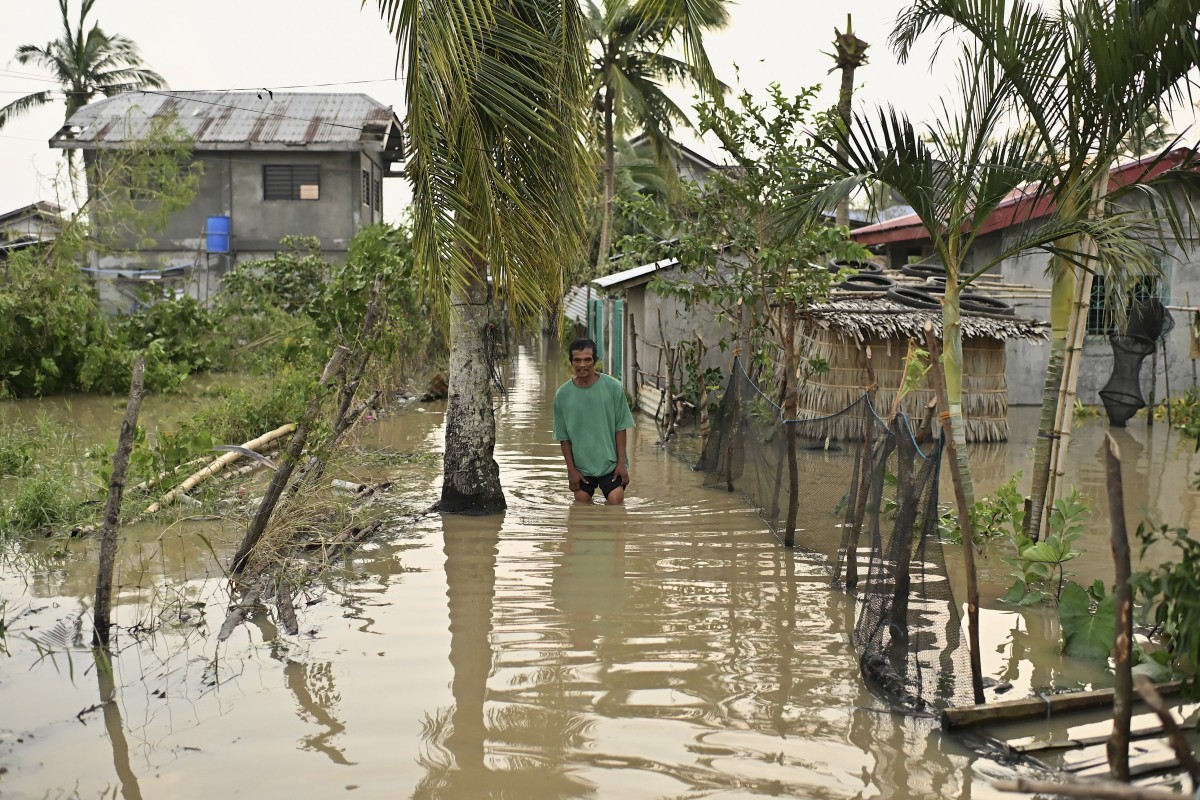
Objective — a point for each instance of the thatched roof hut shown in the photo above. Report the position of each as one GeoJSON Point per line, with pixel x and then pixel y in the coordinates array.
{"type": "Point", "coordinates": [839, 332]}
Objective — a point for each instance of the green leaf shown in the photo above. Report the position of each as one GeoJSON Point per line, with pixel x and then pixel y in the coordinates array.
{"type": "Point", "coordinates": [1087, 634]}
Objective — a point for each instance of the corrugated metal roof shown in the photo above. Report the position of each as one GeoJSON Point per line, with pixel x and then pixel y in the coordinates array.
{"type": "Point", "coordinates": [630, 276]}
{"type": "Point", "coordinates": [213, 119]}
{"type": "Point", "coordinates": [575, 305]}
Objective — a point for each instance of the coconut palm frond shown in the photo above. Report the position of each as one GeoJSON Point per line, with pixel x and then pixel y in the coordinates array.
{"type": "Point", "coordinates": [494, 99]}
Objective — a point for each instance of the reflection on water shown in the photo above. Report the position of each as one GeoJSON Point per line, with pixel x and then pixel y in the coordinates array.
{"type": "Point", "coordinates": [664, 648]}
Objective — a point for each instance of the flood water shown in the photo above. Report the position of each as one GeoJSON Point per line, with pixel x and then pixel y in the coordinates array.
{"type": "Point", "coordinates": [669, 648]}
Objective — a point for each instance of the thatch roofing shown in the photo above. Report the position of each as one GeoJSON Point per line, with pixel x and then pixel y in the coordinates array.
{"type": "Point", "coordinates": [863, 315]}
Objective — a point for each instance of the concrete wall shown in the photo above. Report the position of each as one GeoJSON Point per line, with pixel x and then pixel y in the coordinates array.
{"type": "Point", "coordinates": [1027, 360]}
{"type": "Point", "coordinates": [232, 185]}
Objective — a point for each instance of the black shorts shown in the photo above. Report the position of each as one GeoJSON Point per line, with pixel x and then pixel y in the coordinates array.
{"type": "Point", "coordinates": [606, 483]}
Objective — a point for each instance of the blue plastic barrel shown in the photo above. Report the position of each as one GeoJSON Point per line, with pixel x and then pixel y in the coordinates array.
{"type": "Point", "coordinates": [217, 234]}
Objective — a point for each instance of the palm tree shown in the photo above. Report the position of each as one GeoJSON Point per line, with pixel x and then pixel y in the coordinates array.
{"type": "Point", "coordinates": [629, 69]}
{"type": "Point", "coordinates": [1089, 78]}
{"type": "Point", "coordinates": [496, 94]}
{"type": "Point", "coordinates": [850, 53]}
{"type": "Point", "coordinates": [85, 63]}
{"type": "Point", "coordinates": [955, 175]}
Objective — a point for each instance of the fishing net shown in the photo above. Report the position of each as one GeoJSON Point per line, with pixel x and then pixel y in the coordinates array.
{"type": "Point", "coordinates": [865, 500]}
{"type": "Point", "coordinates": [1149, 322]}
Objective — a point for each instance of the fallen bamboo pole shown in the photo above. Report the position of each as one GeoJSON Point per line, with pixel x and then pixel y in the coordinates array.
{"type": "Point", "coordinates": [215, 466]}
{"type": "Point", "coordinates": [282, 475]}
{"type": "Point", "coordinates": [102, 617]}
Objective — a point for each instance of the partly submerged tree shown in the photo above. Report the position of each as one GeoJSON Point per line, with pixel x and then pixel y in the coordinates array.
{"type": "Point", "coordinates": [85, 62]}
{"type": "Point", "coordinates": [955, 174]}
{"type": "Point", "coordinates": [496, 99]}
{"type": "Point", "coordinates": [1090, 78]}
{"type": "Point", "coordinates": [630, 68]}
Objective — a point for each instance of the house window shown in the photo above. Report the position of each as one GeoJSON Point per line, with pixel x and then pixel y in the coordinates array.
{"type": "Point", "coordinates": [378, 195]}
{"type": "Point", "coordinates": [291, 182]}
{"type": "Point", "coordinates": [366, 188]}
{"type": "Point", "coordinates": [1099, 315]}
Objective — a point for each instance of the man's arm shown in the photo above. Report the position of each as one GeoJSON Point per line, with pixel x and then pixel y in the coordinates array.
{"type": "Point", "coordinates": [622, 470]}
{"type": "Point", "coordinates": [573, 474]}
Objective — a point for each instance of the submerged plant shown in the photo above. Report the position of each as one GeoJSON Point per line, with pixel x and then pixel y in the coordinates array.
{"type": "Point", "coordinates": [1039, 566]}
{"type": "Point", "coordinates": [1170, 594]}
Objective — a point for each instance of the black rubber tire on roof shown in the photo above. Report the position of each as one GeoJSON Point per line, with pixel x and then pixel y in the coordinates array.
{"type": "Point", "coordinates": [979, 303]}
{"type": "Point", "coordinates": [863, 267]}
{"type": "Point", "coordinates": [913, 297]}
{"type": "Point", "coordinates": [924, 270]}
{"type": "Point", "coordinates": [867, 282]}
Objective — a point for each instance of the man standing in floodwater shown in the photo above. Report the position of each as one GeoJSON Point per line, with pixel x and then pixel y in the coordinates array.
{"type": "Point", "coordinates": [590, 420]}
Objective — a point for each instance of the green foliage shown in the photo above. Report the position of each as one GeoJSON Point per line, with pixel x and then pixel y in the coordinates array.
{"type": "Point", "coordinates": [291, 280]}
{"type": "Point", "coordinates": [1039, 566]}
{"type": "Point", "coordinates": [1088, 618]}
{"type": "Point", "coordinates": [1001, 514]}
{"type": "Point", "coordinates": [1083, 412]}
{"type": "Point", "coordinates": [1170, 594]}
{"type": "Point", "coordinates": [41, 501]}
{"type": "Point", "coordinates": [18, 448]}
{"type": "Point", "coordinates": [1184, 412]}
{"type": "Point", "coordinates": [48, 314]}
{"type": "Point", "coordinates": [734, 256]}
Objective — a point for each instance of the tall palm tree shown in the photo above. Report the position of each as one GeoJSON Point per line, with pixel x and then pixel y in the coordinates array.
{"type": "Point", "coordinates": [629, 70]}
{"type": "Point", "coordinates": [496, 94]}
{"type": "Point", "coordinates": [955, 174]}
{"type": "Point", "coordinates": [85, 63]}
{"type": "Point", "coordinates": [1087, 76]}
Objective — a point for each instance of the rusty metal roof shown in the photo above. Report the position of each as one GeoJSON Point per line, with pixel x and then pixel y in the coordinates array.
{"type": "Point", "coordinates": [238, 120]}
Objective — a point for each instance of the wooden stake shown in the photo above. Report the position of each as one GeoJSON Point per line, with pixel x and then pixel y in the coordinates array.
{"type": "Point", "coordinates": [1183, 750]}
{"type": "Point", "coordinates": [279, 481]}
{"type": "Point", "coordinates": [1118, 743]}
{"type": "Point", "coordinates": [964, 510]}
{"type": "Point", "coordinates": [112, 509]}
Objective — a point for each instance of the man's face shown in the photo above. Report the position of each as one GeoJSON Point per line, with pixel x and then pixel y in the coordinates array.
{"type": "Point", "coordinates": [584, 364]}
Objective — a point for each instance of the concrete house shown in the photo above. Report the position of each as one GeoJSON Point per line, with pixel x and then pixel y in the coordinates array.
{"type": "Point", "coordinates": [274, 165]}
{"type": "Point", "coordinates": [1025, 285]}
{"type": "Point", "coordinates": [29, 226]}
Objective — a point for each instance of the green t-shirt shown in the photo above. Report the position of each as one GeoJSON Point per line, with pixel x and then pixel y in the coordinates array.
{"type": "Point", "coordinates": [590, 418]}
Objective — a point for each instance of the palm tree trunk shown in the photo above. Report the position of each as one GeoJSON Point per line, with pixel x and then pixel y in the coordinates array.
{"type": "Point", "coordinates": [610, 188]}
{"type": "Point", "coordinates": [470, 474]}
{"type": "Point", "coordinates": [952, 367]}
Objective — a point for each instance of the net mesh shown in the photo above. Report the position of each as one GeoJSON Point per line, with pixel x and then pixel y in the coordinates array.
{"type": "Point", "coordinates": [1149, 322]}
{"type": "Point", "coordinates": [865, 500]}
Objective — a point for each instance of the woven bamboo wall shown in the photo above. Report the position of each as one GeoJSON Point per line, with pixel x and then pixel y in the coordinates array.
{"type": "Point", "coordinates": [985, 392]}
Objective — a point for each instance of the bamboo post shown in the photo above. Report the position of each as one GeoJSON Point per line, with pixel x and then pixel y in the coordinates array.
{"type": "Point", "coordinates": [258, 525]}
{"type": "Point", "coordinates": [102, 621]}
{"type": "Point", "coordinates": [964, 511]}
{"type": "Point", "coordinates": [791, 401]}
{"type": "Point", "coordinates": [1153, 398]}
{"type": "Point", "coordinates": [864, 469]}
{"type": "Point", "coordinates": [1118, 743]}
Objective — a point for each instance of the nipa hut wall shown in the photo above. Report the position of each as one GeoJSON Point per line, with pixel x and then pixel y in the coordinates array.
{"type": "Point", "coordinates": [985, 391]}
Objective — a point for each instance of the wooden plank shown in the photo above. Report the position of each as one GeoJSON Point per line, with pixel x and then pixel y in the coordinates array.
{"type": "Point", "coordinates": [1142, 725]}
{"type": "Point", "coordinates": [1040, 707]}
{"type": "Point", "coordinates": [1087, 759]}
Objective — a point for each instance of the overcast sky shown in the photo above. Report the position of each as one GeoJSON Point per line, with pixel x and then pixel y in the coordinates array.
{"type": "Point", "coordinates": [335, 45]}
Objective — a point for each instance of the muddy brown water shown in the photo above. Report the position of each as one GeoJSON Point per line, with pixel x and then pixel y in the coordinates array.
{"type": "Point", "coordinates": [667, 649]}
